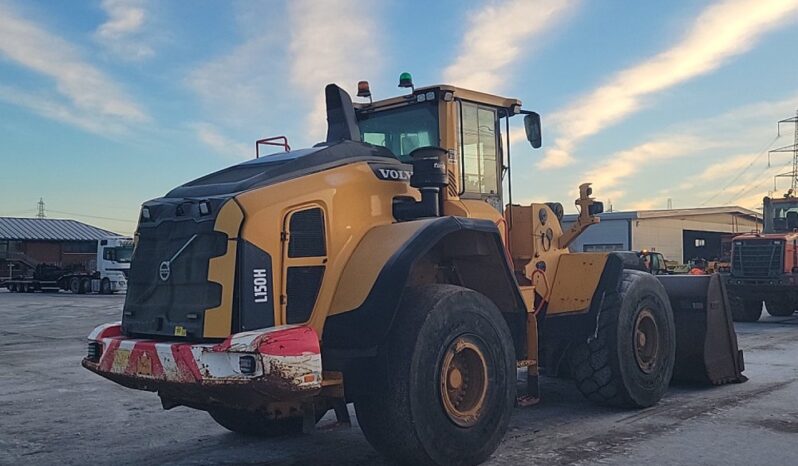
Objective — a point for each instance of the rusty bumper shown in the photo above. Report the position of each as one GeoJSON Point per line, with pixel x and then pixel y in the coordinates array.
{"type": "Point", "coordinates": [248, 370]}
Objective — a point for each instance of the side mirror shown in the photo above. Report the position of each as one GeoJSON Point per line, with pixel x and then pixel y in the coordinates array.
{"type": "Point", "coordinates": [533, 130]}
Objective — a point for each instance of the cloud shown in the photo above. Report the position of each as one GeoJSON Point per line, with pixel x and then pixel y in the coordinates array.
{"type": "Point", "coordinates": [720, 32]}
{"type": "Point", "coordinates": [48, 107]}
{"type": "Point", "coordinates": [720, 170]}
{"type": "Point", "coordinates": [621, 165]}
{"type": "Point", "coordinates": [93, 98]}
{"type": "Point", "coordinates": [277, 73]}
{"type": "Point", "coordinates": [731, 141]}
{"type": "Point", "coordinates": [331, 42]}
{"type": "Point", "coordinates": [213, 138]}
{"type": "Point", "coordinates": [242, 90]}
{"type": "Point", "coordinates": [496, 36]}
{"type": "Point", "coordinates": [648, 204]}
{"type": "Point", "coordinates": [122, 32]}
{"type": "Point", "coordinates": [716, 136]}
{"type": "Point", "coordinates": [240, 85]}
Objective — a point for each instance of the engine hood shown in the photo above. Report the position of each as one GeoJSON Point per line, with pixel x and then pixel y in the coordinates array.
{"type": "Point", "coordinates": [281, 167]}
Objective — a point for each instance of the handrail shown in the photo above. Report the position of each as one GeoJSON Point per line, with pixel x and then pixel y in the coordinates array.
{"type": "Point", "coordinates": [272, 142]}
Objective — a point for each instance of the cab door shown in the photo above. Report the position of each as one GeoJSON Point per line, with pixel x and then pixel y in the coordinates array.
{"type": "Point", "coordinates": [304, 262]}
{"type": "Point", "coordinates": [480, 158]}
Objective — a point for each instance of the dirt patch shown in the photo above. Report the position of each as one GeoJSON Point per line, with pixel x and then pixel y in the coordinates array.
{"type": "Point", "coordinates": [779, 425]}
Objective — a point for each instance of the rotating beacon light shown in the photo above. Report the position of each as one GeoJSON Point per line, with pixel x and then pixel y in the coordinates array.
{"type": "Point", "coordinates": [405, 80]}
{"type": "Point", "coordinates": [363, 90]}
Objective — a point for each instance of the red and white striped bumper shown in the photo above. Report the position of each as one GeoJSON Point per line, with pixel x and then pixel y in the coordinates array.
{"type": "Point", "coordinates": [276, 364]}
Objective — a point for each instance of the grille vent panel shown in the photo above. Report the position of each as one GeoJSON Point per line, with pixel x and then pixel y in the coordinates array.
{"type": "Point", "coordinates": [302, 289]}
{"type": "Point", "coordinates": [306, 234]}
{"type": "Point", "coordinates": [757, 258]}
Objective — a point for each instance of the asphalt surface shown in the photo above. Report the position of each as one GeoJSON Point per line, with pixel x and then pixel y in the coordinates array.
{"type": "Point", "coordinates": [52, 411]}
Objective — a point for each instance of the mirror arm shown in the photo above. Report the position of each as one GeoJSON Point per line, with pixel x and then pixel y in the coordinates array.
{"type": "Point", "coordinates": [585, 218]}
{"type": "Point", "coordinates": [509, 173]}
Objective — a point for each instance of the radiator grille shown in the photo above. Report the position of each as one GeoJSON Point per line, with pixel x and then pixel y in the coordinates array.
{"type": "Point", "coordinates": [759, 258]}
{"type": "Point", "coordinates": [306, 234]}
{"type": "Point", "coordinates": [302, 289]}
{"type": "Point", "coordinates": [154, 305]}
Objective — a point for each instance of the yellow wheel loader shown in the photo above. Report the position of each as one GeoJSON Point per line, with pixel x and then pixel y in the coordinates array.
{"type": "Point", "coordinates": [387, 267]}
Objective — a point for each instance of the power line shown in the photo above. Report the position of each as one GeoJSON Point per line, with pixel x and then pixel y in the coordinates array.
{"type": "Point", "coordinates": [127, 220]}
{"type": "Point", "coordinates": [19, 212]}
{"type": "Point", "coordinates": [742, 172]}
{"type": "Point", "coordinates": [750, 186]}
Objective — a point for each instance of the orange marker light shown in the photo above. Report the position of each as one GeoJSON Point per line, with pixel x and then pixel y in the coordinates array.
{"type": "Point", "coordinates": [363, 89]}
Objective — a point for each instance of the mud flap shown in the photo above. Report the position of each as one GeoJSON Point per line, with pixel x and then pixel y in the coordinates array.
{"type": "Point", "coordinates": [706, 343]}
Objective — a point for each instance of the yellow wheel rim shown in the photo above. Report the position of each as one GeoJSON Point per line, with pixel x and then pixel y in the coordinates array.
{"type": "Point", "coordinates": [463, 381]}
{"type": "Point", "coordinates": [646, 341]}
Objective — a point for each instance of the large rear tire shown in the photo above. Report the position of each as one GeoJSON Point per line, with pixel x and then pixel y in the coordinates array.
{"type": "Point", "coordinates": [780, 307]}
{"type": "Point", "coordinates": [254, 424]}
{"type": "Point", "coordinates": [442, 388]}
{"type": "Point", "coordinates": [74, 285]}
{"type": "Point", "coordinates": [630, 360]}
{"type": "Point", "coordinates": [746, 310]}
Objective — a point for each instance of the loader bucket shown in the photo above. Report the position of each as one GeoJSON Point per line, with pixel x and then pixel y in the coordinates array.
{"type": "Point", "coordinates": [706, 343]}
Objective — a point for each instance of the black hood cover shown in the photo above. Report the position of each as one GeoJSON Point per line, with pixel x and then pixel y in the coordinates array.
{"type": "Point", "coordinates": [273, 169]}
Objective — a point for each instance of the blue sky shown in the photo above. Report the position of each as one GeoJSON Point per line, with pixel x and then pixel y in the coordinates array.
{"type": "Point", "coordinates": [107, 104]}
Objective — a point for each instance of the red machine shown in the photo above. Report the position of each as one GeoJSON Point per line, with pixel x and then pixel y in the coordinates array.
{"type": "Point", "coordinates": [764, 266]}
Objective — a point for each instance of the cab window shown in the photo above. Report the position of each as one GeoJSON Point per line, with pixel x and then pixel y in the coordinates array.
{"type": "Point", "coordinates": [479, 149]}
{"type": "Point", "coordinates": [403, 129]}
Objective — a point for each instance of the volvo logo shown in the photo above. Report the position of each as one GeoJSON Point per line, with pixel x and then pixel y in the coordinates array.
{"type": "Point", "coordinates": [399, 175]}
{"type": "Point", "coordinates": [392, 172]}
{"type": "Point", "coordinates": [164, 270]}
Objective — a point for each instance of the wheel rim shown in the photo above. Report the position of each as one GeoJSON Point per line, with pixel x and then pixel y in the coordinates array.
{"type": "Point", "coordinates": [463, 381]}
{"type": "Point", "coordinates": [646, 341]}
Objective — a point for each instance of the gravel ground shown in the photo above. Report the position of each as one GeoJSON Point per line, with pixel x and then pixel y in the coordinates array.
{"type": "Point", "coordinates": [52, 411]}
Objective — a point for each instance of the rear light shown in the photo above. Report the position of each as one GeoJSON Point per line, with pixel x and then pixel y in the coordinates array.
{"type": "Point", "coordinates": [95, 351]}
{"type": "Point", "coordinates": [247, 364]}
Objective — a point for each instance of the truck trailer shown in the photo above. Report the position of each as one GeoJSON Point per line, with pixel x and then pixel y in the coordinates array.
{"type": "Point", "coordinates": [109, 276]}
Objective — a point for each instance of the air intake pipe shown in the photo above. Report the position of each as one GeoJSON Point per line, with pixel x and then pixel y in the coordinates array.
{"type": "Point", "coordinates": [429, 176]}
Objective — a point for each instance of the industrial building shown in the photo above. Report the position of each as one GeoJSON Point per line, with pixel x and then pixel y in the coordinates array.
{"type": "Point", "coordinates": [679, 234]}
{"type": "Point", "coordinates": [27, 242]}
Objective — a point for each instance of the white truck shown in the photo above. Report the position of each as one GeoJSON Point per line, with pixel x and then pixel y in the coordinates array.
{"type": "Point", "coordinates": [109, 275]}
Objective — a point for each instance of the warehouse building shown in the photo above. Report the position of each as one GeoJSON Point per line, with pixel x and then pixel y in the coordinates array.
{"type": "Point", "coordinates": [679, 234]}
{"type": "Point", "coordinates": [28, 242]}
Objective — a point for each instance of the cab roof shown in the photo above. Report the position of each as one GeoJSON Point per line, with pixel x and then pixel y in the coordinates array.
{"type": "Point", "coordinates": [459, 93]}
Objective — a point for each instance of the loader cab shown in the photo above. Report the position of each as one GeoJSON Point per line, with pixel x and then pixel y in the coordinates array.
{"type": "Point", "coordinates": [472, 126]}
{"type": "Point", "coordinates": [780, 215]}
